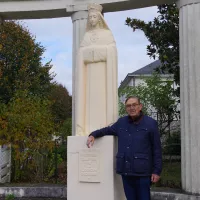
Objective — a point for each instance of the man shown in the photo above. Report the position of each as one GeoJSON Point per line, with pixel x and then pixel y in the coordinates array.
{"type": "Point", "coordinates": [139, 157]}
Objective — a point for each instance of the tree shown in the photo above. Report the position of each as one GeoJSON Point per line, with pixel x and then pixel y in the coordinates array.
{"type": "Point", "coordinates": [26, 122]}
{"type": "Point", "coordinates": [163, 35]}
{"type": "Point", "coordinates": [21, 65]}
{"type": "Point", "coordinates": [157, 96]}
{"type": "Point", "coordinates": [62, 103]}
{"type": "Point", "coordinates": [66, 129]}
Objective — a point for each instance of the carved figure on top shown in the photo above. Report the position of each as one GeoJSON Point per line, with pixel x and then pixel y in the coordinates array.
{"type": "Point", "coordinates": [96, 91]}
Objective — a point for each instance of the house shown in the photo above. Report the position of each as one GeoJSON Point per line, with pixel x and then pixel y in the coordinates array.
{"type": "Point", "coordinates": [135, 78]}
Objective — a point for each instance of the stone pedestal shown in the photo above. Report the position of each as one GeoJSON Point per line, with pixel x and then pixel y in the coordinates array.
{"type": "Point", "coordinates": [91, 172]}
{"type": "Point", "coordinates": [79, 20]}
{"type": "Point", "coordinates": [190, 93]}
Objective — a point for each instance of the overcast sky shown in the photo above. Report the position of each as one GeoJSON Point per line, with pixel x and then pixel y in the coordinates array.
{"type": "Point", "coordinates": [56, 36]}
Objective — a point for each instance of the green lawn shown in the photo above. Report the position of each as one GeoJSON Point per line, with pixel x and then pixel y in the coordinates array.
{"type": "Point", "coordinates": [171, 175]}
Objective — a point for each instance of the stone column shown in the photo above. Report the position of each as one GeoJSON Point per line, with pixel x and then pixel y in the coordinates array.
{"type": "Point", "coordinates": [190, 93]}
{"type": "Point", "coordinates": [79, 20]}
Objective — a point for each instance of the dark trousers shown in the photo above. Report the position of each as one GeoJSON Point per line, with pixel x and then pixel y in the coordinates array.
{"type": "Point", "coordinates": [137, 187]}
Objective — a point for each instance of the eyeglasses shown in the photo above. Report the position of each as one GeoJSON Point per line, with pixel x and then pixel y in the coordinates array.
{"type": "Point", "coordinates": [128, 106]}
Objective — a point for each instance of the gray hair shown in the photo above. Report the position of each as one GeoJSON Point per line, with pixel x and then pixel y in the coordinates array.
{"type": "Point", "coordinates": [132, 97]}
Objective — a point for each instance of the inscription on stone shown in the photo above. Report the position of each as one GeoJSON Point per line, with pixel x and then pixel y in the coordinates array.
{"type": "Point", "coordinates": [89, 165]}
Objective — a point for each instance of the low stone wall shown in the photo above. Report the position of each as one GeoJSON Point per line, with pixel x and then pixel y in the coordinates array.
{"type": "Point", "coordinates": [172, 196]}
{"type": "Point", "coordinates": [60, 192]}
{"type": "Point", "coordinates": [48, 191]}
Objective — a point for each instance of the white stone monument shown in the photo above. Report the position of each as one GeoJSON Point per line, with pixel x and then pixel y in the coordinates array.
{"type": "Point", "coordinates": [91, 172]}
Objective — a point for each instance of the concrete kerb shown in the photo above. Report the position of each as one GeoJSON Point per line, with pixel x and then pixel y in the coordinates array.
{"type": "Point", "coordinates": [60, 192]}
{"type": "Point", "coordinates": [35, 192]}
{"type": "Point", "coordinates": [158, 195]}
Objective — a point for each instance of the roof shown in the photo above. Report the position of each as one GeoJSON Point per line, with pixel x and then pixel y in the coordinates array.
{"type": "Point", "coordinates": [145, 71]}
{"type": "Point", "coordinates": [148, 69]}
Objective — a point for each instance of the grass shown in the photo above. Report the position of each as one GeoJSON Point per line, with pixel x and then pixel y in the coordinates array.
{"type": "Point", "coordinates": [171, 175]}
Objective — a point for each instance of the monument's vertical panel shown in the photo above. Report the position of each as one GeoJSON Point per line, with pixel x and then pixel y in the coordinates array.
{"type": "Point", "coordinates": [91, 172]}
{"type": "Point", "coordinates": [190, 93]}
{"type": "Point", "coordinates": [79, 20]}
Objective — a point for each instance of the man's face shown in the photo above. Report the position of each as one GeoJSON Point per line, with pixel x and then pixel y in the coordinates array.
{"type": "Point", "coordinates": [133, 107]}
{"type": "Point", "coordinates": [93, 18]}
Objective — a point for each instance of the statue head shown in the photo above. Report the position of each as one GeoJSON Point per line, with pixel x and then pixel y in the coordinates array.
{"type": "Point", "coordinates": [95, 18]}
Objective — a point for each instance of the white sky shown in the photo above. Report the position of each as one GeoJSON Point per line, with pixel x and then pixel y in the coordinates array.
{"type": "Point", "coordinates": [56, 36]}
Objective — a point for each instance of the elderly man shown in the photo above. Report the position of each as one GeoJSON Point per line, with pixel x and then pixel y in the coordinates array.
{"type": "Point", "coordinates": [139, 156]}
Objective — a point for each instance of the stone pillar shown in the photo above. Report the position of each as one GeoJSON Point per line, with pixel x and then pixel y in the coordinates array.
{"type": "Point", "coordinates": [190, 93]}
{"type": "Point", "coordinates": [79, 20]}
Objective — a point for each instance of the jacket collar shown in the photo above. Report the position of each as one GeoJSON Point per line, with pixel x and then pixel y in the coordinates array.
{"type": "Point", "coordinates": [137, 119]}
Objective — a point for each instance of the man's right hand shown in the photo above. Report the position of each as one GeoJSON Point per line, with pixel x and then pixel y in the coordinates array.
{"type": "Point", "coordinates": [90, 141]}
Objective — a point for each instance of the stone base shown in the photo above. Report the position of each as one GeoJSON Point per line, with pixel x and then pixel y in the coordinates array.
{"type": "Point", "coordinates": [167, 195]}
{"type": "Point", "coordinates": [91, 172]}
{"type": "Point", "coordinates": [48, 191]}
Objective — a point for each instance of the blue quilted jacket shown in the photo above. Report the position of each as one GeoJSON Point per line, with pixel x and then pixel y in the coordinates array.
{"type": "Point", "coordinates": [139, 147]}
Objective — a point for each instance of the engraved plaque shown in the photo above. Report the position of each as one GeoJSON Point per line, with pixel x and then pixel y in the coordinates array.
{"type": "Point", "coordinates": [89, 165]}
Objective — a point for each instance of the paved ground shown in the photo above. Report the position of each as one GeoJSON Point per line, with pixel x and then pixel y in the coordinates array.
{"type": "Point", "coordinates": [41, 199]}
{"type": "Point", "coordinates": [37, 199]}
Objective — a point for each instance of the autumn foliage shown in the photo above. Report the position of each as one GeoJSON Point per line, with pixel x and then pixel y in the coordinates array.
{"type": "Point", "coordinates": [27, 117]}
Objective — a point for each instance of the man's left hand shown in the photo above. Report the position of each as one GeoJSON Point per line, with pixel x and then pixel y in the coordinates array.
{"type": "Point", "coordinates": [155, 178]}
